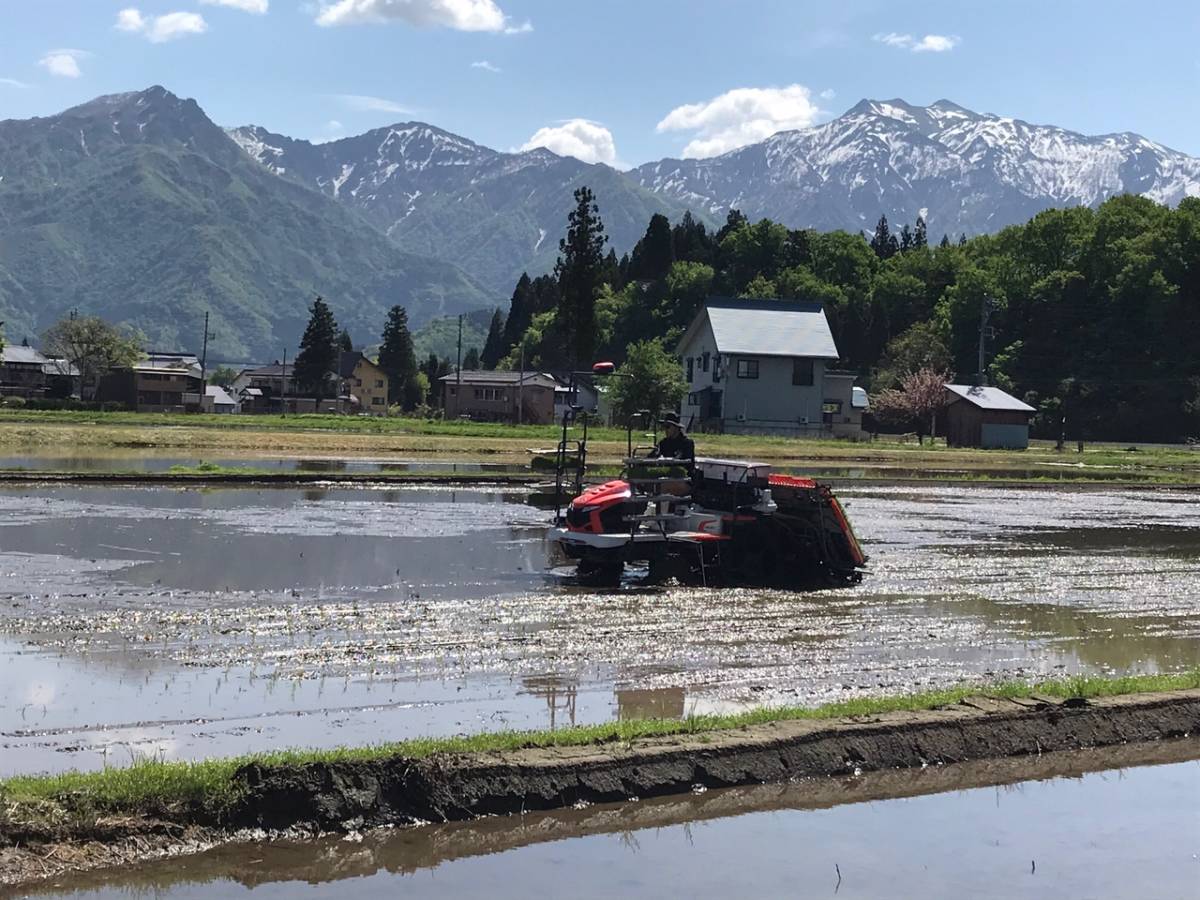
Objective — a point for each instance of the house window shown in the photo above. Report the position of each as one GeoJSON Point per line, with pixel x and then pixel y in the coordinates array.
{"type": "Point", "coordinates": [378, 382]}
{"type": "Point", "coordinates": [747, 368]}
{"type": "Point", "coordinates": [831, 406]}
{"type": "Point", "coordinates": [704, 361]}
{"type": "Point", "coordinates": [358, 382]}
{"type": "Point", "coordinates": [692, 400]}
{"type": "Point", "coordinates": [377, 401]}
{"type": "Point", "coordinates": [717, 369]}
{"type": "Point", "coordinates": [690, 369]}
{"type": "Point", "coordinates": [802, 372]}
{"type": "Point", "coordinates": [478, 393]}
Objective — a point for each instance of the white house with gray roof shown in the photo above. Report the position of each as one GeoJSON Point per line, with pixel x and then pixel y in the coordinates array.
{"type": "Point", "coordinates": [765, 367]}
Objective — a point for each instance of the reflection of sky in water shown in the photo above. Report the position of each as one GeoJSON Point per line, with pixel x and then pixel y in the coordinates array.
{"type": "Point", "coordinates": [240, 618]}
{"type": "Point", "coordinates": [1116, 834]}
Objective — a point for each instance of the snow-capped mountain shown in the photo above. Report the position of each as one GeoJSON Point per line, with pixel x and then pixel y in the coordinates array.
{"type": "Point", "coordinates": [496, 214]}
{"type": "Point", "coordinates": [968, 172]}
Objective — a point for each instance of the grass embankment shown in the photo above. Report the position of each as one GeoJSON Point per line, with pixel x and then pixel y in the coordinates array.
{"type": "Point", "coordinates": [207, 789]}
{"type": "Point", "coordinates": [119, 434]}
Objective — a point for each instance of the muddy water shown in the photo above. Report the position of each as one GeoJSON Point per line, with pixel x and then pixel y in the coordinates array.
{"type": "Point", "coordinates": [957, 831]}
{"type": "Point", "coordinates": [163, 461]}
{"type": "Point", "coordinates": [185, 623]}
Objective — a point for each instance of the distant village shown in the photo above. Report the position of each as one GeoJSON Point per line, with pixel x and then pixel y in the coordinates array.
{"type": "Point", "coordinates": [750, 367]}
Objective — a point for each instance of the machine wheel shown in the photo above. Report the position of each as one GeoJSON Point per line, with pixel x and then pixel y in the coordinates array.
{"type": "Point", "coordinates": [600, 572]}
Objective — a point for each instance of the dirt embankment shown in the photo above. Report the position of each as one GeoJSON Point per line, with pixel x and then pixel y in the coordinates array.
{"type": "Point", "coordinates": [356, 795]}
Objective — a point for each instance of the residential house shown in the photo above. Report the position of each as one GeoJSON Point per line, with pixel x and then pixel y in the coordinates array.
{"type": "Point", "coordinates": [499, 396]}
{"type": "Point", "coordinates": [259, 389]}
{"type": "Point", "coordinates": [364, 386]}
{"type": "Point", "coordinates": [765, 367]}
{"type": "Point", "coordinates": [582, 395]}
{"type": "Point", "coordinates": [159, 382]}
{"type": "Point", "coordinates": [981, 416]}
{"type": "Point", "coordinates": [22, 372]}
{"type": "Point", "coordinates": [219, 400]}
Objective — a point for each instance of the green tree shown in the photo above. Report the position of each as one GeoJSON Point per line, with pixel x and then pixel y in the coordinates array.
{"type": "Point", "coordinates": [397, 359]}
{"type": "Point", "coordinates": [520, 312]}
{"type": "Point", "coordinates": [345, 342]}
{"type": "Point", "coordinates": [493, 347]}
{"type": "Point", "coordinates": [652, 256]}
{"type": "Point", "coordinates": [471, 361]}
{"type": "Point", "coordinates": [93, 347]}
{"type": "Point", "coordinates": [651, 378]}
{"type": "Point", "coordinates": [920, 234]}
{"type": "Point", "coordinates": [920, 347]}
{"type": "Point", "coordinates": [578, 271]}
{"type": "Point", "coordinates": [884, 242]}
{"type": "Point", "coordinates": [224, 376]}
{"type": "Point", "coordinates": [317, 360]}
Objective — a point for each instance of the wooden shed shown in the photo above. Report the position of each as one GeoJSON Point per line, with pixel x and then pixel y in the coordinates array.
{"type": "Point", "coordinates": [981, 416]}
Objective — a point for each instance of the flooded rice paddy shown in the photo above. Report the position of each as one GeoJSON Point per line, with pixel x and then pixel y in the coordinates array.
{"type": "Point", "coordinates": [188, 622]}
{"type": "Point", "coordinates": [968, 830]}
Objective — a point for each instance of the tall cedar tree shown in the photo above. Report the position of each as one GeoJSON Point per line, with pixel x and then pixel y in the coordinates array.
{"type": "Point", "coordinates": [471, 361]}
{"type": "Point", "coordinates": [883, 243]}
{"type": "Point", "coordinates": [493, 348]}
{"type": "Point", "coordinates": [345, 342]}
{"type": "Point", "coordinates": [520, 312]}
{"type": "Point", "coordinates": [579, 270]}
{"type": "Point", "coordinates": [397, 359]}
{"type": "Point", "coordinates": [317, 361]}
{"type": "Point", "coordinates": [433, 369]}
{"type": "Point", "coordinates": [653, 254]}
{"type": "Point", "coordinates": [920, 234]}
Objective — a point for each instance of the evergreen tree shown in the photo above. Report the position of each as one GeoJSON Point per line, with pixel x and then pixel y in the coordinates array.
{"type": "Point", "coordinates": [397, 359]}
{"type": "Point", "coordinates": [653, 254]}
{"type": "Point", "coordinates": [520, 312]}
{"type": "Point", "coordinates": [962, 239]}
{"type": "Point", "coordinates": [471, 361]}
{"type": "Point", "coordinates": [883, 243]}
{"type": "Point", "coordinates": [920, 235]}
{"type": "Point", "coordinates": [945, 241]}
{"type": "Point", "coordinates": [317, 361]}
{"type": "Point", "coordinates": [493, 348]}
{"type": "Point", "coordinates": [345, 342]}
{"type": "Point", "coordinates": [906, 238]}
{"type": "Point", "coordinates": [734, 220]}
{"type": "Point", "coordinates": [578, 270]}
{"type": "Point", "coordinates": [691, 240]}
{"type": "Point", "coordinates": [612, 274]}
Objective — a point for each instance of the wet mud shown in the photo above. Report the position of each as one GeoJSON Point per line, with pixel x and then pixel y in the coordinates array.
{"type": "Point", "coordinates": [352, 796]}
{"type": "Point", "coordinates": [186, 623]}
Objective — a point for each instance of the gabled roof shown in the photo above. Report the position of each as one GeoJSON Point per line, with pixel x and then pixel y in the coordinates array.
{"type": "Point", "coordinates": [989, 398]}
{"type": "Point", "coordinates": [765, 328]}
{"type": "Point", "coordinates": [20, 354]}
{"type": "Point", "coordinates": [348, 362]}
{"type": "Point", "coordinates": [275, 370]}
{"type": "Point", "coordinates": [488, 377]}
{"type": "Point", "coordinates": [220, 395]}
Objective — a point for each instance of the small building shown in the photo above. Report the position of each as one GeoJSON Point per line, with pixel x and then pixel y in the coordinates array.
{"type": "Point", "coordinates": [219, 400]}
{"type": "Point", "coordinates": [260, 388]}
{"type": "Point", "coordinates": [765, 367]}
{"type": "Point", "coordinates": [364, 386]}
{"type": "Point", "coordinates": [23, 372]}
{"type": "Point", "coordinates": [499, 396]}
{"type": "Point", "coordinates": [987, 417]}
{"type": "Point", "coordinates": [585, 396]}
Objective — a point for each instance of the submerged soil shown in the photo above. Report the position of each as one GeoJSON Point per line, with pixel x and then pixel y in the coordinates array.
{"type": "Point", "coordinates": [349, 796]}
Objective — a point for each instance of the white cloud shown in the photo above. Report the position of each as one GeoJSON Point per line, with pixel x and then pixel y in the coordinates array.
{"type": "Point", "coordinates": [486, 66]}
{"type": "Point", "coordinates": [740, 117]}
{"type": "Point", "coordinates": [461, 15]}
{"type": "Point", "coordinates": [588, 141]}
{"type": "Point", "coordinates": [63, 63]}
{"type": "Point", "coordinates": [930, 43]}
{"type": "Point", "coordinates": [364, 103]}
{"type": "Point", "coordinates": [258, 7]}
{"type": "Point", "coordinates": [827, 94]}
{"type": "Point", "coordinates": [936, 43]}
{"type": "Point", "coordinates": [12, 82]}
{"type": "Point", "coordinates": [160, 29]}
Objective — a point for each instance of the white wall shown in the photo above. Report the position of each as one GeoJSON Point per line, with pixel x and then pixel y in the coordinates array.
{"type": "Point", "coordinates": [771, 402]}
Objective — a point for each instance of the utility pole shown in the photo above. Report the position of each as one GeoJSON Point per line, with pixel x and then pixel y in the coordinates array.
{"type": "Point", "coordinates": [985, 312]}
{"type": "Point", "coordinates": [204, 353]}
{"type": "Point", "coordinates": [458, 371]}
{"type": "Point", "coordinates": [283, 386]}
{"type": "Point", "coordinates": [521, 387]}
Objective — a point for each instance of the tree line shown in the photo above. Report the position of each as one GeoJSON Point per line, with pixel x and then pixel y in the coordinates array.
{"type": "Point", "coordinates": [1090, 315]}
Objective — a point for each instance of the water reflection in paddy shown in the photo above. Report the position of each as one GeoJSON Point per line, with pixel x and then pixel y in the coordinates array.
{"type": "Point", "coordinates": [1082, 832]}
{"type": "Point", "coordinates": [189, 622]}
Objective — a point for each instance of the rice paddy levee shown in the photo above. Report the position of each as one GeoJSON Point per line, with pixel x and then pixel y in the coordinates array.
{"type": "Point", "coordinates": [52, 824]}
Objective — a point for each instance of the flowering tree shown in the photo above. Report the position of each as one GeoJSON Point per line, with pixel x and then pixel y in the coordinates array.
{"type": "Point", "coordinates": [920, 395]}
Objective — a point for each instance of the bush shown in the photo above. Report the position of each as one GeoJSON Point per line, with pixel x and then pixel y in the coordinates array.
{"type": "Point", "coordinates": [14, 402]}
{"type": "Point", "coordinates": [72, 405]}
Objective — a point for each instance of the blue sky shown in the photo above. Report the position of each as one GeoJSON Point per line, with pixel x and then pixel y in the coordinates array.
{"type": "Point", "coordinates": [618, 81]}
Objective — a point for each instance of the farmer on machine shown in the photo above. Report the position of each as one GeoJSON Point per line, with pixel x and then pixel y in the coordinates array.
{"type": "Point", "coordinates": [676, 444]}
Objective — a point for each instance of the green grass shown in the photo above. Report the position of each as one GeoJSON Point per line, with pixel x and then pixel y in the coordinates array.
{"type": "Point", "coordinates": [208, 787]}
